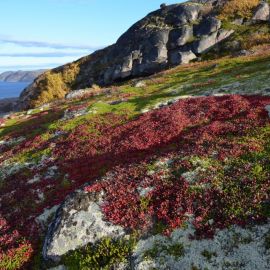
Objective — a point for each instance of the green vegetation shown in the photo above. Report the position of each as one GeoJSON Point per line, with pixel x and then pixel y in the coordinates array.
{"type": "Point", "coordinates": [267, 240]}
{"type": "Point", "coordinates": [234, 8]}
{"type": "Point", "coordinates": [174, 249]}
{"type": "Point", "coordinates": [208, 254]}
{"type": "Point", "coordinates": [225, 75]}
{"type": "Point", "coordinates": [103, 255]}
{"type": "Point", "coordinates": [55, 84]}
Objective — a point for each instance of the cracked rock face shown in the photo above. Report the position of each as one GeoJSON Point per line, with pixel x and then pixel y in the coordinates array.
{"type": "Point", "coordinates": [173, 35]}
{"type": "Point", "coordinates": [262, 12]}
{"type": "Point", "coordinates": [78, 222]}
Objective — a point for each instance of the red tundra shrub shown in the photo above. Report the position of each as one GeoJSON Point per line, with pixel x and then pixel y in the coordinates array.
{"type": "Point", "coordinates": [206, 127]}
{"type": "Point", "coordinates": [14, 251]}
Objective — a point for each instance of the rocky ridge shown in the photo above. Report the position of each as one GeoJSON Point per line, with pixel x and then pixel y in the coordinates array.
{"type": "Point", "coordinates": [173, 35]}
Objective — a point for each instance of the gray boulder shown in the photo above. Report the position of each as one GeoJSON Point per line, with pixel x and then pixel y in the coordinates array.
{"type": "Point", "coordinates": [262, 12]}
{"type": "Point", "coordinates": [177, 57]}
{"type": "Point", "coordinates": [207, 42]}
{"type": "Point", "coordinates": [78, 222]}
{"type": "Point", "coordinates": [207, 26]}
{"type": "Point", "coordinates": [180, 36]}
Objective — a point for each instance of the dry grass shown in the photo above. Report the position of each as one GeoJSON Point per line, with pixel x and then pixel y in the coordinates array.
{"type": "Point", "coordinates": [255, 40]}
{"type": "Point", "coordinates": [238, 8]}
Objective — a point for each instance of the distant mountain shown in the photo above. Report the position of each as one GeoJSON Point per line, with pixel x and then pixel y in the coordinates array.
{"type": "Point", "coordinates": [20, 76]}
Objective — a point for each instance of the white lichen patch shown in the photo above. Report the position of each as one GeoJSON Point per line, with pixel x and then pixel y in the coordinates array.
{"type": "Point", "coordinates": [80, 93]}
{"type": "Point", "coordinates": [59, 267]}
{"type": "Point", "coordinates": [34, 180]}
{"type": "Point", "coordinates": [51, 172]}
{"type": "Point", "coordinates": [234, 248]}
{"type": "Point", "coordinates": [12, 142]}
{"type": "Point", "coordinates": [70, 114]}
{"type": "Point", "coordinates": [143, 191]}
{"type": "Point", "coordinates": [45, 217]}
{"type": "Point", "coordinates": [40, 195]}
{"type": "Point", "coordinates": [201, 166]}
{"type": "Point", "coordinates": [166, 102]}
{"type": "Point", "coordinates": [192, 176]}
{"type": "Point", "coordinates": [8, 169]}
{"type": "Point", "coordinates": [161, 165]}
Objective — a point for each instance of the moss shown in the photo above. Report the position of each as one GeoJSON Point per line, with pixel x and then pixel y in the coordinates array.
{"type": "Point", "coordinates": [208, 254]}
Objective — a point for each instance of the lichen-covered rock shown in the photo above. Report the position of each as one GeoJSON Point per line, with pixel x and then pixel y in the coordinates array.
{"type": "Point", "coordinates": [78, 221]}
{"type": "Point", "coordinates": [78, 93]}
{"type": "Point", "coordinates": [234, 248]}
{"type": "Point", "coordinates": [262, 12]}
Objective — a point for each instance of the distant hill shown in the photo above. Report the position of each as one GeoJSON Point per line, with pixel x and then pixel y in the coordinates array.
{"type": "Point", "coordinates": [20, 76]}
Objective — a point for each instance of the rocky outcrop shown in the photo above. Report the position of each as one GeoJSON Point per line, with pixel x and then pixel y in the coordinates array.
{"type": "Point", "coordinates": [262, 12]}
{"type": "Point", "coordinates": [172, 35]}
{"type": "Point", "coordinates": [78, 222]}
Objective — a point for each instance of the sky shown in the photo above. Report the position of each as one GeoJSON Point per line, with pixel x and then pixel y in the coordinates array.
{"type": "Point", "coordinates": [38, 34]}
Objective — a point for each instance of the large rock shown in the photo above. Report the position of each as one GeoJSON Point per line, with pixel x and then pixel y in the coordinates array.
{"type": "Point", "coordinates": [78, 222]}
{"type": "Point", "coordinates": [207, 42]}
{"type": "Point", "coordinates": [207, 26]}
{"type": "Point", "coordinates": [180, 36]}
{"type": "Point", "coordinates": [163, 38]}
{"type": "Point", "coordinates": [262, 12]}
{"type": "Point", "coordinates": [177, 57]}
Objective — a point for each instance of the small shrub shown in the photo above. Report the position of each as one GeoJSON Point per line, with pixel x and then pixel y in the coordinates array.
{"type": "Point", "coordinates": [267, 240]}
{"type": "Point", "coordinates": [208, 254]}
{"type": "Point", "coordinates": [103, 255]}
{"type": "Point", "coordinates": [255, 40]}
{"type": "Point", "coordinates": [236, 8]}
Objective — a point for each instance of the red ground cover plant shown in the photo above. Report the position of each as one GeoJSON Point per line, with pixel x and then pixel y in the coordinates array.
{"type": "Point", "coordinates": [204, 127]}
{"type": "Point", "coordinates": [14, 251]}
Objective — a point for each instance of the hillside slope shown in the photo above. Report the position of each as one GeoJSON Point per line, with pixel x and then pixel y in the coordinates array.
{"type": "Point", "coordinates": [172, 35]}
{"type": "Point", "coordinates": [159, 167]}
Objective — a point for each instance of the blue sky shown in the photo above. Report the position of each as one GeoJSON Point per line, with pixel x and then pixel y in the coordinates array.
{"type": "Point", "coordinates": [38, 34]}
